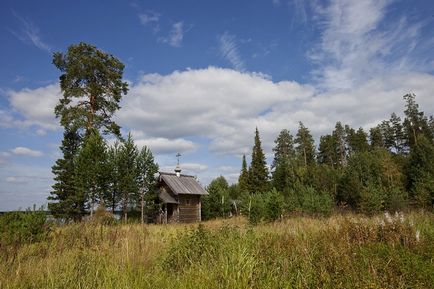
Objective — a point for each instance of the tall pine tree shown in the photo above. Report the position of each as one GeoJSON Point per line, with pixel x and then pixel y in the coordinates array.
{"type": "Point", "coordinates": [146, 181]}
{"type": "Point", "coordinates": [258, 173]}
{"type": "Point", "coordinates": [128, 187]}
{"type": "Point", "coordinates": [68, 204]}
{"type": "Point", "coordinates": [243, 179]}
{"type": "Point", "coordinates": [283, 162]}
{"type": "Point", "coordinates": [91, 170]}
{"type": "Point", "coordinates": [305, 145]}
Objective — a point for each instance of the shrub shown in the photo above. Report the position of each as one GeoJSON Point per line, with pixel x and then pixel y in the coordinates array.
{"type": "Point", "coordinates": [315, 203]}
{"type": "Point", "coordinates": [371, 199]}
{"type": "Point", "coordinates": [273, 205]}
{"type": "Point", "coordinates": [257, 211]}
{"type": "Point", "coordinates": [102, 216]}
{"type": "Point", "coordinates": [17, 228]}
{"type": "Point", "coordinates": [396, 200]}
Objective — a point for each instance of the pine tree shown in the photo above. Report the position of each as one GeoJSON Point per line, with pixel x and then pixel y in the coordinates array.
{"type": "Point", "coordinates": [420, 172]}
{"type": "Point", "coordinates": [398, 134]}
{"type": "Point", "coordinates": [128, 175]}
{"type": "Point", "coordinates": [258, 173]}
{"type": "Point", "coordinates": [146, 181]}
{"type": "Point", "coordinates": [243, 179]}
{"type": "Point", "coordinates": [326, 151]}
{"type": "Point", "coordinates": [284, 155]}
{"type": "Point", "coordinates": [376, 138]}
{"type": "Point", "coordinates": [415, 122]}
{"type": "Point", "coordinates": [305, 145]}
{"type": "Point", "coordinates": [113, 195]}
{"type": "Point", "coordinates": [339, 136]}
{"type": "Point", "coordinates": [92, 88]}
{"type": "Point", "coordinates": [357, 141]}
{"type": "Point", "coordinates": [68, 204]}
{"type": "Point", "coordinates": [91, 170]}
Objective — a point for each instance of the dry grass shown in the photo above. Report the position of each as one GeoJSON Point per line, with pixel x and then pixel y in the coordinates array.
{"type": "Point", "coordinates": [348, 251]}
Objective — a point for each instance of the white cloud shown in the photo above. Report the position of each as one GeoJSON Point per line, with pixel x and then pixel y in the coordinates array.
{"type": "Point", "coordinates": [161, 145]}
{"type": "Point", "coordinates": [150, 18]}
{"type": "Point", "coordinates": [29, 33]}
{"type": "Point", "coordinates": [23, 151]}
{"type": "Point", "coordinates": [35, 106]}
{"type": "Point", "coordinates": [356, 44]}
{"type": "Point", "coordinates": [222, 105]}
{"type": "Point", "coordinates": [187, 168]}
{"type": "Point", "coordinates": [175, 36]}
{"type": "Point", "coordinates": [228, 48]}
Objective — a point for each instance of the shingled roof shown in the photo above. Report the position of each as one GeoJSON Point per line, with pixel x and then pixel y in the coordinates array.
{"type": "Point", "coordinates": [182, 185]}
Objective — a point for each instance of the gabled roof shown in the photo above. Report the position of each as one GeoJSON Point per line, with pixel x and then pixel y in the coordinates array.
{"type": "Point", "coordinates": [182, 185]}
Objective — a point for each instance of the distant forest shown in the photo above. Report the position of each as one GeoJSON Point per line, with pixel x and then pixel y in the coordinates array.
{"type": "Point", "coordinates": [391, 168]}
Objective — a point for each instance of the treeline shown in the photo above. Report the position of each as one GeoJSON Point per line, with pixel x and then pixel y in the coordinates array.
{"type": "Point", "coordinates": [92, 174]}
{"type": "Point", "coordinates": [391, 167]}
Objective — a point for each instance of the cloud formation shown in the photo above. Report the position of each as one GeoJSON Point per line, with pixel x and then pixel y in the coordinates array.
{"type": "Point", "coordinates": [34, 106]}
{"type": "Point", "coordinates": [356, 44]}
{"type": "Point", "coordinates": [23, 151]}
{"type": "Point", "coordinates": [228, 47]}
{"type": "Point", "coordinates": [175, 36]}
{"type": "Point", "coordinates": [29, 34]}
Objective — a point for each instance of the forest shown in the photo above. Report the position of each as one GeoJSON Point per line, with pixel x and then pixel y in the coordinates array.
{"type": "Point", "coordinates": [389, 168]}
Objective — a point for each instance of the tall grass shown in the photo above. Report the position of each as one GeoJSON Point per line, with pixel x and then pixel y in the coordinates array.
{"type": "Point", "coordinates": [342, 251]}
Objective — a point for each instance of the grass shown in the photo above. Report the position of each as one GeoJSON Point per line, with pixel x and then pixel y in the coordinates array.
{"type": "Point", "coordinates": [342, 251]}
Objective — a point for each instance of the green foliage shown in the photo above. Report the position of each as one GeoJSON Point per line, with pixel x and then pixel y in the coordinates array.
{"type": "Point", "coordinates": [17, 228]}
{"type": "Point", "coordinates": [92, 88]}
{"type": "Point", "coordinates": [243, 179]}
{"type": "Point", "coordinates": [371, 199]}
{"type": "Point", "coordinates": [90, 170]}
{"type": "Point", "coordinates": [128, 175]}
{"type": "Point", "coordinates": [305, 149]}
{"type": "Point", "coordinates": [366, 178]}
{"type": "Point", "coordinates": [396, 199]}
{"type": "Point", "coordinates": [146, 181]}
{"type": "Point", "coordinates": [218, 202]}
{"type": "Point", "coordinates": [284, 161]}
{"type": "Point", "coordinates": [274, 205]}
{"type": "Point", "coordinates": [267, 206]}
{"type": "Point", "coordinates": [258, 172]}
{"type": "Point", "coordinates": [306, 199]}
{"type": "Point", "coordinates": [67, 203]}
{"type": "Point", "coordinates": [420, 171]}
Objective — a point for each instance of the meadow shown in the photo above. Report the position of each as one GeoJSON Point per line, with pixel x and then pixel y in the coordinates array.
{"type": "Point", "coordinates": [341, 251]}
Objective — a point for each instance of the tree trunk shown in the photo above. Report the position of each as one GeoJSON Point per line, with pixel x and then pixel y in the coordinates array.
{"type": "Point", "coordinates": [92, 110]}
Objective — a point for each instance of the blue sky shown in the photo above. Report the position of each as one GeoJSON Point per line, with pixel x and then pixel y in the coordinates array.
{"type": "Point", "coordinates": [204, 74]}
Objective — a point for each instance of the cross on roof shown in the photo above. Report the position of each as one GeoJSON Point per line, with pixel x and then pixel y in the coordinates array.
{"type": "Point", "coordinates": [178, 155]}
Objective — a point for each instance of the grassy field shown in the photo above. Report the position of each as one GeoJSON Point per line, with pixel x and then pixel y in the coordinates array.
{"type": "Point", "coordinates": [343, 251]}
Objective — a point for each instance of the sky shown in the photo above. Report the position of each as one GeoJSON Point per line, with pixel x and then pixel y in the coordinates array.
{"type": "Point", "coordinates": [203, 74]}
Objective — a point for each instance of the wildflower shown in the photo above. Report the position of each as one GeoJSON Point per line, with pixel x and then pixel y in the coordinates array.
{"type": "Point", "coordinates": [388, 217]}
{"type": "Point", "coordinates": [401, 217]}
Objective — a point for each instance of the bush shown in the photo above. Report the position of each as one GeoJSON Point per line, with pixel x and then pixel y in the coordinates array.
{"type": "Point", "coordinates": [315, 203]}
{"type": "Point", "coordinates": [273, 205]}
{"type": "Point", "coordinates": [17, 228]}
{"type": "Point", "coordinates": [396, 200]}
{"type": "Point", "coordinates": [102, 216]}
{"type": "Point", "coordinates": [371, 199]}
{"type": "Point", "coordinates": [307, 200]}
